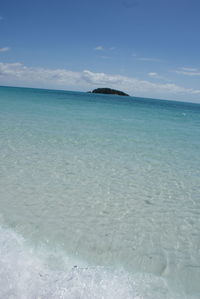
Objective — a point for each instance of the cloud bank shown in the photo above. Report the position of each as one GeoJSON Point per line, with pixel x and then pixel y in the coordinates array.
{"type": "Point", "coordinates": [17, 74]}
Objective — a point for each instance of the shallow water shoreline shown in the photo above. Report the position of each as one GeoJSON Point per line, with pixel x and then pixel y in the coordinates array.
{"type": "Point", "coordinates": [103, 180]}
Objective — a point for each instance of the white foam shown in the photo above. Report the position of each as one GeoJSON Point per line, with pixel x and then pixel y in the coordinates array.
{"type": "Point", "coordinates": [27, 273]}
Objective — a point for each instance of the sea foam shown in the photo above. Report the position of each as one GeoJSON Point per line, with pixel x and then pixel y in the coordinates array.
{"type": "Point", "coordinates": [29, 273]}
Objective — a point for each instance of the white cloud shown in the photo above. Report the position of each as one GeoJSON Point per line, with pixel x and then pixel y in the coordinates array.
{"type": "Point", "coordinates": [149, 59]}
{"type": "Point", "coordinates": [153, 74]}
{"type": "Point", "coordinates": [187, 71]}
{"type": "Point", "coordinates": [99, 48]}
{"type": "Point", "coordinates": [134, 85]}
{"type": "Point", "coordinates": [104, 57]}
{"type": "Point", "coordinates": [5, 49]}
{"type": "Point", "coordinates": [17, 74]}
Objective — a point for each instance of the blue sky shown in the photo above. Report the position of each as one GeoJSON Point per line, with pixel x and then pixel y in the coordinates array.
{"type": "Point", "coordinates": [147, 48]}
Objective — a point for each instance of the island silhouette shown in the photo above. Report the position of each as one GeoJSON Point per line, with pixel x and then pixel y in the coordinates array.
{"type": "Point", "coordinates": [109, 91]}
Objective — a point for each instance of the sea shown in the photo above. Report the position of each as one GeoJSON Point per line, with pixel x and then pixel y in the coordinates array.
{"type": "Point", "coordinates": [99, 196]}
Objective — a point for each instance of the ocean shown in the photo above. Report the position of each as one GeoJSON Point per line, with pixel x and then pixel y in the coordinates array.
{"type": "Point", "coordinates": [99, 196]}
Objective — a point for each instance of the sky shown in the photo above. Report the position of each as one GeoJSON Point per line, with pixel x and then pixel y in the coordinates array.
{"type": "Point", "coordinates": [147, 48]}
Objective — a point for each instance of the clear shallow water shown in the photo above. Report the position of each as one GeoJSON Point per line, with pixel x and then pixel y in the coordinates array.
{"type": "Point", "coordinates": [109, 184]}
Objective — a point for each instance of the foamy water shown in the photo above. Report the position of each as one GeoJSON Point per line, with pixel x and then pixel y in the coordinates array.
{"type": "Point", "coordinates": [99, 196]}
{"type": "Point", "coordinates": [29, 273]}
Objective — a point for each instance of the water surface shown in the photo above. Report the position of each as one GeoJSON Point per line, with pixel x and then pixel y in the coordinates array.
{"type": "Point", "coordinates": [99, 196]}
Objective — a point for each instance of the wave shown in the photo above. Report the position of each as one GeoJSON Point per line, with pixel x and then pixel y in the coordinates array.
{"type": "Point", "coordinates": [30, 273]}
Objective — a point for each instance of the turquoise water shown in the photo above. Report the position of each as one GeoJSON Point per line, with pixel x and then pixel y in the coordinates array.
{"type": "Point", "coordinates": [99, 196]}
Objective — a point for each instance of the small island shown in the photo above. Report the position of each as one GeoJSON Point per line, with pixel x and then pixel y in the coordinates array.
{"type": "Point", "coordinates": [109, 91]}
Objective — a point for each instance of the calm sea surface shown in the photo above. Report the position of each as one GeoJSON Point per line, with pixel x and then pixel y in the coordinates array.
{"type": "Point", "coordinates": [99, 196]}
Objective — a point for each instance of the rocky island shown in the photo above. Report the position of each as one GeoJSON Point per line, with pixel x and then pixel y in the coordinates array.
{"type": "Point", "coordinates": [109, 91]}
